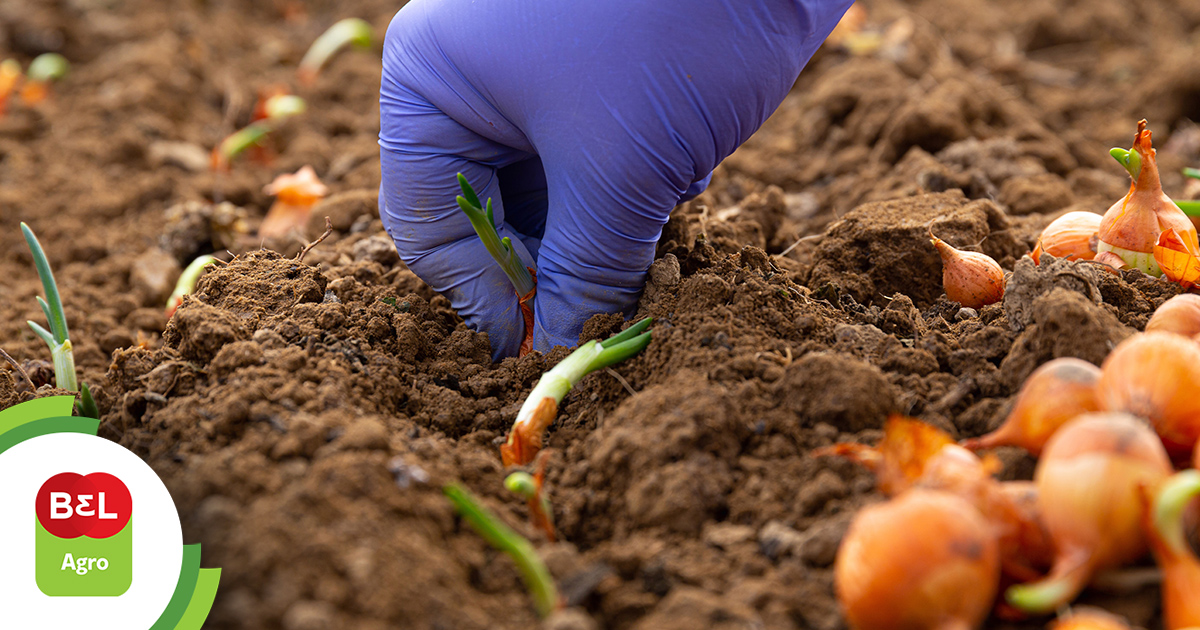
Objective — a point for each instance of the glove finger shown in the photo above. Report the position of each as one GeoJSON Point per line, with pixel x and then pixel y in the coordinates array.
{"type": "Point", "coordinates": [601, 232]}
{"type": "Point", "coordinates": [523, 186]}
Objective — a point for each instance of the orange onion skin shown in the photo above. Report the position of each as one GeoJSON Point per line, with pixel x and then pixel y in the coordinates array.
{"type": "Point", "coordinates": [1056, 392]}
{"type": "Point", "coordinates": [1156, 376]}
{"type": "Point", "coordinates": [1134, 222]}
{"type": "Point", "coordinates": [1030, 536]}
{"type": "Point", "coordinates": [1071, 236]}
{"type": "Point", "coordinates": [924, 560]}
{"type": "Point", "coordinates": [1180, 315]}
{"type": "Point", "coordinates": [970, 278]}
{"type": "Point", "coordinates": [1089, 481]}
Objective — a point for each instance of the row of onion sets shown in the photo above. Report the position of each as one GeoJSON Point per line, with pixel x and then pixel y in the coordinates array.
{"type": "Point", "coordinates": [1116, 477]}
{"type": "Point", "coordinates": [1145, 230]}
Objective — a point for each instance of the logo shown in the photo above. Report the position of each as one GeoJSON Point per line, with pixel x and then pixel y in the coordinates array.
{"type": "Point", "coordinates": [84, 536]}
{"type": "Point", "coordinates": [103, 542]}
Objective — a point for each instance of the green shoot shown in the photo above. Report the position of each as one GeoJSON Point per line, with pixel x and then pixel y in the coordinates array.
{"type": "Point", "coordinates": [1194, 173]}
{"type": "Point", "coordinates": [537, 577]}
{"type": "Point", "coordinates": [350, 31]}
{"type": "Point", "coordinates": [47, 67]}
{"type": "Point", "coordinates": [87, 405]}
{"type": "Point", "coordinates": [1166, 515]}
{"type": "Point", "coordinates": [187, 282]}
{"type": "Point", "coordinates": [279, 108]}
{"type": "Point", "coordinates": [541, 406]}
{"type": "Point", "coordinates": [57, 338]}
{"type": "Point", "coordinates": [530, 488]}
{"type": "Point", "coordinates": [1130, 160]}
{"type": "Point", "coordinates": [1190, 208]}
{"type": "Point", "coordinates": [500, 249]}
{"type": "Point", "coordinates": [521, 484]}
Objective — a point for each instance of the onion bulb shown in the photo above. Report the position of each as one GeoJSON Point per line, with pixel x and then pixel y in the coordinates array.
{"type": "Point", "coordinates": [1131, 227]}
{"type": "Point", "coordinates": [1089, 482]}
{"type": "Point", "coordinates": [1180, 566]}
{"type": "Point", "coordinates": [1053, 394]}
{"type": "Point", "coordinates": [1180, 314]}
{"type": "Point", "coordinates": [1033, 548]}
{"type": "Point", "coordinates": [1156, 375]}
{"type": "Point", "coordinates": [900, 458]}
{"type": "Point", "coordinates": [1089, 619]}
{"type": "Point", "coordinates": [924, 560]}
{"type": "Point", "coordinates": [913, 454]}
{"type": "Point", "coordinates": [969, 278]}
{"type": "Point", "coordinates": [1071, 236]}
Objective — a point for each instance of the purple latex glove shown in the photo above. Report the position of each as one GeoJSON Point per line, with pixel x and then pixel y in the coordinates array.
{"type": "Point", "coordinates": [585, 121]}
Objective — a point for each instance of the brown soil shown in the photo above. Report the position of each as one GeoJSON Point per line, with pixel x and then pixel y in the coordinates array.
{"type": "Point", "coordinates": [306, 415]}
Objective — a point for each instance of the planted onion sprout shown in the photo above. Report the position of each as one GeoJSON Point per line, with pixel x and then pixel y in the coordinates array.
{"type": "Point", "coordinates": [43, 70]}
{"type": "Point", "coordinates": [278, 109]}
{"type": "Point", "coordinates": [350, 31]}
{"type": "Point", "coordinates": [58, 337]}
{"type": "Point", "coordinates": [541, 406]}
{"type": "Point", "coordinates": [537, 577]}
{"type": "Point", "coordinates": [187, 282]}
{"type": "Point", "coordinates": [529, 487]}
{"type": "Point", "coordinates": [522, 278]}
{"type": "Point", "coordinates": [1131, 227]}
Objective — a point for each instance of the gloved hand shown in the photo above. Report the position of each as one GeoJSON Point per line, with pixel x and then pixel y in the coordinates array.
{"type": "Point", "coordinates": [585, 121]}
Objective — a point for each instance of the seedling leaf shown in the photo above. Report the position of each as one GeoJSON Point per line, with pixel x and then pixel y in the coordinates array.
{"type": "Point", "coordinates": [537, 577]}
{"type": "Point", "coordinates": [87, 405]}
{"type": "Point", "coordinates": [58, 321]}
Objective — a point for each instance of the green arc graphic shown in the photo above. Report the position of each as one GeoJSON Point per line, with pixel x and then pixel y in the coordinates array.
{"type": "Point", "coordinates": [197, 588]}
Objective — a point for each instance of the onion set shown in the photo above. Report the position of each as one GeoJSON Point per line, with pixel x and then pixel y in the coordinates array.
{"type": "Point", "coordinates": [1156, 376]}
{"type": "Point", "coordinates": [1180, 315]}
{"type": "Point", "coordinates": [924, 560]}
{"type": "Point", "coordinates": [972, 279]}
{"type": "Point", "coordinates": [1131, 227]}
{"type": "Point", "coordinates": [1071, 236]}
{"type": "Point", "coordinates": [1056, 392]}
{"type": "Point", "coordinates": [1089, 482]}
{"type": "Point", "coordinates": [913, 454]}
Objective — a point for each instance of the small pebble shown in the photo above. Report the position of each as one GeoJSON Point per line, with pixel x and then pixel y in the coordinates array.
{"type": "Point", "coordinates": [965, 313]}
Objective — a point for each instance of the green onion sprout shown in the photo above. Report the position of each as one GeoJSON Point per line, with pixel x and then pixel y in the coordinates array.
{"type": "Point", "coordinates": [537, 577]}
{"type": "Point", "coordinates": [187, 282]}
{"type": "Point", "coordinates": [1130, 160]}
{"type": "Point", "coordinates": [500, 248]}
{"type": "Point", "coordinates": [541, 406]}
{"type": "Point", "coordinates": [279, 108]}
{"type": "Point", "coordinates": [58, 337]}
{"type": "Point", "coordinates": [48, 67]}
{"type": "Point", "coordinates": [350, 31]}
